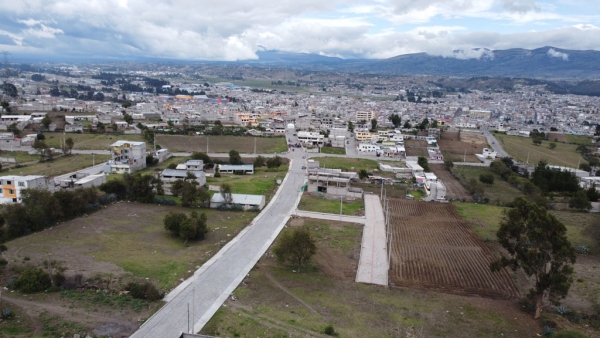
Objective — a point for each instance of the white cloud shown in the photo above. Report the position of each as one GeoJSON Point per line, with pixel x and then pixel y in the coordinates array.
{"type": "Point", "coordinates": [556, 54]}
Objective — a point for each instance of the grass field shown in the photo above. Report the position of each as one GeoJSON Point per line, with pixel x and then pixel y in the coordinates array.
{"type": "Point", "coordinates": [332, 150]}
{"type": "Point", "coordinates": [310, 202]}
{"type": "Point", "coordinates": [58, 166]}
{"type": "Point", "coordinates": [20, 156]}
{"type": "Point", "coordinates": [578, 139]}
{"type": "Point", "coordinates": [347, 164]}
{"type": "Point", "coordinates": [89, 141]}
{"type": "Point", "coordinates": [522, 147]}
{"type": "Point", "coordinates": [263, 182]}
{"type": "Point", "coordinates": [279, 302]}
{"type": "Point", "coordinates": [499, 193]}
{"type": "Point", "coordinates": [223, 144]}
{"type": "Point", "coordinates": [485, 220]}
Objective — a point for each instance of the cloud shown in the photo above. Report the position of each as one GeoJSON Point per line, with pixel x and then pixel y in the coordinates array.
{"type": "Point", "coordinates": [556, 54]}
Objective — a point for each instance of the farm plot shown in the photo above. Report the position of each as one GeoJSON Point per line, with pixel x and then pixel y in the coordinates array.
{"type": "Point", "coordinates": [416, 148]}
{"type": "Point", "coordinates": [459, 151]}
{"type": "Point", "coordinates": [222, 144]}
{"type": "Point", "coordinates": [433, 248]}
{"type": "Point", "coordinates": [454, 189]}
{"type": "Point", "coordinates": [557, 137]}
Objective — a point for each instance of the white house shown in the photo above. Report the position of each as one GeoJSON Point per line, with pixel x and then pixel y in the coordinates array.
{"type": "Point", "coordinates": [246, 202]}
{"type": "Point", "coordinates": [127, 157]}
{"type": "Point", "coordinates": [12, 186]}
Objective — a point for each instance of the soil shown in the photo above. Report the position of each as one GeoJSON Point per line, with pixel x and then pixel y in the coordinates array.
{"type": "Point", "coordinates": [416, 148]}
{"type": "Point", "coordinates": [557, 137]}
{"type": "Point", "coordinates": [434, 248]}
{"type": "Point", "coordinates": [454, 189]}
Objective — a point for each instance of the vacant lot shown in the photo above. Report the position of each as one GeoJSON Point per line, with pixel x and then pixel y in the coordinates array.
{"type": "Point", "coordinates": [317, 203]}
{"type": "Point", "coordinates": [121, 242]}
{"type": "Point", "coordinates": [416, 148]}
{"type": "Point", "coordinates": [557, 137]}
{"type": "Point", "coordinates": [434, 248]}
{"type": "Point", "coordinates": [522, 148]}
{"type": "Point", "coordinates": [223, 144]}
{"type": "Point", "coordinates": [278, 302]}
{"type": "Point", "coordinates": [454, 189]}
{"type": "Point", "coordinates": [89, 141]}
{"type": "Point", "coordinates": [60, 165]}
{"type": "Point", "coordinates": [501, 192]}
{"type": "Point", "coordinates": [459, 151]}
{"type": "Point", "coordinates": [332, 150]}
{"type": "Point", "coordinates": [347, 164]}
{"type": "Point", "coordinates": [263, 182]}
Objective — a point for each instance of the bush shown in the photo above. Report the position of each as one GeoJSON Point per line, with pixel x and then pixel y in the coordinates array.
{"type": "Point", "coordinates": [330, 331]}
{"type": "Point", "coordinates": [33, 280]}
{"type": "Point", "coordinates": [7, 314]}
{"type": "Point", "coordinates": [144, 290]}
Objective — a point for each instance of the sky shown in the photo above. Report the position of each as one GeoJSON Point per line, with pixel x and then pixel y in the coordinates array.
{"type": "Point", "coordinates": [233, 30]}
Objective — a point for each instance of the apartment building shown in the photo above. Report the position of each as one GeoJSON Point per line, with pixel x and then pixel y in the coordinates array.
{"type": "Point", "coordinates": [365, 115]}
{"type": "Point", "coordinates": [127, 157]}
{"type": "Point", "coordinates": [12, 186]}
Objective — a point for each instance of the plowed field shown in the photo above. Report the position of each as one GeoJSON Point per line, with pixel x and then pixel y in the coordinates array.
{"type": "Point", "coordinates": [433, 248]}
{"type": "Point", "coordinates": [454, 189]}
{"type": "Point", "coordinates": [416, 148]}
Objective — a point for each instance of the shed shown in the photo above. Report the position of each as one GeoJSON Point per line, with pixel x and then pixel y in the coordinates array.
{"type": "Point", "coordinates": [247, 202]}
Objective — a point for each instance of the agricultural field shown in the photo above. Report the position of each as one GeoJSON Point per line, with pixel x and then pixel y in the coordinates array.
{"type": "Point", "coordinates": [522, 148]}
{"type": "Point", "coordinates": [416, 148]}
{"type": "Point", "coordinates": [222, 144]}
{"type": "Point", "coordinates": [433, 248]}
{"type": "Point", "coordinates": [347, 164]}
{"type": "Point", "coordinates": [123, 242]}
{"type": "Point", "coordinates": [315, 202]}
{"type": "Point", "coordinates": [454, 189]}
{"type": "Point", "coordinates": [60, 165]}
{"type": "Point", "coordinates": [464, 149]}
{"type": "Point", "coordinates": [275, 301]}
{"type": "Point", "coordinates": [89, 141]}
{"type": "Point", "coordinates": [501, 192]}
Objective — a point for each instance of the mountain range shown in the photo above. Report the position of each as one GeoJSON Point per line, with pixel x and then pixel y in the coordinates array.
{"type": "Point", "coordinates": [546, 62]}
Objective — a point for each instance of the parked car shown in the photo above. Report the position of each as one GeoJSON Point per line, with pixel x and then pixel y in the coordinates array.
{"type": "Point", "coordinates": [303, 167]}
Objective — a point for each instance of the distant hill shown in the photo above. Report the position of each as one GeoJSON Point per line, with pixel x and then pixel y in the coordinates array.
{"type": "Point", "coordinates": [546, 62]}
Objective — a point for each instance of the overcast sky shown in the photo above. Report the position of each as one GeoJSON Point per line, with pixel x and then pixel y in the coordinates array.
{"type": "Point", "coordinates": [236, 29]}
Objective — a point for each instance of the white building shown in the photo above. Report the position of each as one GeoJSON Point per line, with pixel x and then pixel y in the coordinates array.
{"type": "Point", "coordinates": [368, 147]}
{"type": "Point", "coordinates": [127, 157]}
{"type": "Point", "coordinates": [246, 202]}
{"type": "Point", "coordinates": [311, 138]}
{"type": "Point", "coordinates": [12, 186]}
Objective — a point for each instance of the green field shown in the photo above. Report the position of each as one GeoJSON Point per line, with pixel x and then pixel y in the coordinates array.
{"type": "Point", "coordinates": [500, 192]}
{"type": "Point", "coordinates": [223, 144]}
{"type": "Point", "coordinates": [58, 166]}
{"type": "Point", "coordinates": [347, 164]}
{"type": "Point", "coordinates": [486, 219]}
{"type": "Point", "coordinates": [522, 147]}
{"type": "Point", "coordinates": [89, 141]}
{"type": "Point", "coordinates": [280, 302]}
{"type": "Point", "coordinates": [331, 206]}
{"type": "Point", "coordinates": [332, 150]}
{"type": "Point", "coordinates": [263, 182]}
{"type": "Point", "coordinates": [579, 139]}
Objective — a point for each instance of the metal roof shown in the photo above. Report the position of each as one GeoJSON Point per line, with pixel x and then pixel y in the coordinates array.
{"type": "Point", "coordinates": [239, 199]}
{"type": "Point", "coordinates": [181, 173]}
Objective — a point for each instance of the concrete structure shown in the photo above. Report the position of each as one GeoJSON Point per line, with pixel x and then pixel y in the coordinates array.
{"type": "Point", "coordinates": [12, 186]}
{"type": "Point", "coordinates": [332, 182]}
{"type": "Point", "coordinates": [364, 136]}
{"type": "Point", "coordinates": [127, 157]}
{"type": "Point", "coordinates": [365, 115]}
{"type": "Point", "coordinates": [172, 175]}
{"type": "Point", "coordinates": [311, 138]}
{"type": "Point", "coordinates": [368, 147]}
{"type": "Point", "coordinates": [231, 169]}
{"type": "Point", "coordinates": [9, 140]}
{"type": "Point", "coordinates": [90, 181]}
{"type": "Point", "coordinates": [246, 202]}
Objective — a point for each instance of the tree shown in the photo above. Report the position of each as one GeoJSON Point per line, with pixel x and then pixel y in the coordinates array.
{"type": "Point", "coordinates": [374, 124]}
{"type": "Point", "coordinates": [424, 163]}
{"type": "Point", "coordinates": [10, 89]}
{"type": "Point", "coordinates": [274, 162]}
{"type": "Point", "coordinates": [235, 158]}
{"type": "Point", "coordinates": [592, 194]}
{"type": "Point", "coordinates": [202, 156]}
{"type": "Point", "coordinates": [69, 144]}
{"type": "Point", "coordinates": [537, 141]}
{"type": "Point", "coordinates": [580, 201]}
{"type": "Point", "coordinates": [46, 121]}
{"type": "Point", "coordinates": [552, 145]}
{"type": "Point", "coordinates": [407, 125]}
{"type": "Point", "coordinates": [424, 124]}
{"type": "Point", "coordinates": [487, 178]}
{"type": "Point", "coordinates": [187, 227]}
{"type": "Point", "coordinates": [396, 120]}
{"type": "Point", "coordinates": [363, 173]}
{"type": "Point", "coordinates": [537, 243]}
{"type": "Point", "coordinates": [449, 164]}
{"type": "Point", "coordinates": [225, 191]}
{"type": "Point", "coordinates": [350, 126]}
{"type": "Point", "coordinates": [6, 106]}
{"type": "Point", "coordinates": [42, 149]}
{"type": "Point", "coordinates": [259, 162]}
{"type": "Point", "coordinates": [295, 246]}
{"type": "Point", "coordinates": [128, 118]}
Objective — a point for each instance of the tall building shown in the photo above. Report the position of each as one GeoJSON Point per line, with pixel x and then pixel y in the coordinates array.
{"type": "Point", "coordinates": [13, 186]}
{"type": "Point", "coordinates": [127, 157]}
{"type": "Point", "coordinates": [365, 115]}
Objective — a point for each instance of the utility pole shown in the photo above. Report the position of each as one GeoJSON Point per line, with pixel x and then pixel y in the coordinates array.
{"type": "Point", "coordinates": [528, 156]}
{"type": "Point", "coordinates": [93, 159]}
{"type": "Point", "coordinates": [465, 156]}
{"type": "Point", "coordinates": [341, 197]}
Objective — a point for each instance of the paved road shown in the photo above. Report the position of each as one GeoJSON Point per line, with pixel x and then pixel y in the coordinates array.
{"type": "Point", "coordinates": [373, 263]}
{"type": "Point", "coordinates": [210, 286]}
{"type": "Point", "coordinates": [330, 217]}
{"type": "Point", "coordinates": [495, 144]}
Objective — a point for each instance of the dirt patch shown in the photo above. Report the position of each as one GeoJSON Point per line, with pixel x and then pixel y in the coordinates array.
{"type": "Point", "coordinates": [557, 137]}
{"type": "Point", "coordinates": [335, 264]}
{"type": "Point", "coordinates": [434, 248]}
{"type": "Point", "coordinates": [457, 150]}
{"type": "Point", "coordinates": [454, 189]}
{"type": "Point", "coordinates": [416, 148]}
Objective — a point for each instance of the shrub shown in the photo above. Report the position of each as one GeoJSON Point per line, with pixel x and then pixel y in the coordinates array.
{"type": "Point", "coordinates": [7, 314]}
{"type": "Point", "coordinates": [330, 331]}
{"type": "Point", "coordinates": [33, 280]}
{"type": "Point", "coordinates": [144, 290]}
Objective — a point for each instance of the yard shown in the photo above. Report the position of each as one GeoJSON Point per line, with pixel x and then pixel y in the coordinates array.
{"type": "Point", "coordinates": [347, 164]}
{"type": "Point", "coordinates": [332, 150]}
{"type": "Point", "coordinates": [121, 242]}
{"type": "Point", "coordinates": [263, 182]}
{"type": "Point", "coordinates": [58, 166]}
{"type": "Point", "coordinates": [522, 148]}
{"type": "Point", "coordinates": [89, 141]}
{"type": "Point", "coordinates": [501, 192]}
{"type": "Point", "coordinates": [223, 144]}
{"type": "Point", "coordinates": [317, 203]}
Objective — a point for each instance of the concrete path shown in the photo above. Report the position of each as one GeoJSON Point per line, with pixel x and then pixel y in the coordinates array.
{"type": "Point", "coordinates": [373, 265]}
{"type": "Point", "coordinates": [210, 285]}
{"type": "Point", "coordinates": [330, 217]}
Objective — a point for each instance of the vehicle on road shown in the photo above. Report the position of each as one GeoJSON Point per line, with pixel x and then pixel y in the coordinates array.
{"type": "Point", "coordinates": [303, 156]}
{"type": "Point", "coordinates": [303, 167]}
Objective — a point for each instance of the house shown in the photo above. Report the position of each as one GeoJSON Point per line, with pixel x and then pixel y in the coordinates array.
{"type": "Point", "coordinates": [332, 182]}
{"type": "Point", "coordinates": [12, 186]}
{"type": "Point", "coordinates": [364, 115]}
{"type": "Point", "coordinates": [73, 128]}
{"type": "Point", "coordinates": [193, 165]}
{"type": "Point", "coordinates": [311, 138]}
{"type": "Point", "coordinates": [368, 147]}
{"type": "Point", "coordinates": [246, 202]}
{"type": "Point", "coordinates": [127, 157]}
{"type": "Point", "coordinates": [90, 181]}
{"type": "Point", "coordinates": [231, 169]}
{"type": "Point", "coordinates": [363, 136]}
{"type": "Point", "coordinates": [171, 175]}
